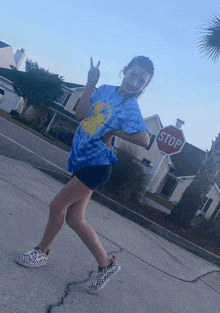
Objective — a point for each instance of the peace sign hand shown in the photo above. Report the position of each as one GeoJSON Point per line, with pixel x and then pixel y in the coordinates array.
{"type": "Point", "coordinates": [94, 73]}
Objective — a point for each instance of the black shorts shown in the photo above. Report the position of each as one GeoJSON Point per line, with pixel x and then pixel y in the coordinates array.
{"type": "Point", "coordinates": [94, 176]}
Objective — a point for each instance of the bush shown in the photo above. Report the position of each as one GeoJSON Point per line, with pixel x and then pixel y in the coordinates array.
{"type": "Point", "coordinates": [209, 228]}
{"type": "Point", "coordinates": [128, 178]}
{"type": "Point", "coordinates": [14, 113]}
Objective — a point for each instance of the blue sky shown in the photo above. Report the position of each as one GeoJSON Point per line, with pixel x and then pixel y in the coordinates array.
{"type": "Point", "coordinates": [62, 35]}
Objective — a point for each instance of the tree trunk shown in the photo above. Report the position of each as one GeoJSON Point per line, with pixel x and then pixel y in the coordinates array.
{"type": "Point", "coordinates": [195, 193]}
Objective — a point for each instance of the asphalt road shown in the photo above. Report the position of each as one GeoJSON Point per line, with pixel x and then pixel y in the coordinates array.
{"type": "Point", "coordinates": [21, 145]}
{"type": "Point", "coordinates": [156, 276]}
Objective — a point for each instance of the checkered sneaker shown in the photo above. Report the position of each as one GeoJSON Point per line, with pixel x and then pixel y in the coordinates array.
{"type": "Point", "coordinates": [103, 275]}
{"type": "Point", "coordinates": [33, 258]}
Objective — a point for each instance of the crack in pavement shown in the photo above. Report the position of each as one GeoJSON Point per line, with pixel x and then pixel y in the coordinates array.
{"type": "Point", "coordinates": [69, 285]}
{"type": "Point", "coordinates": [67, 291]}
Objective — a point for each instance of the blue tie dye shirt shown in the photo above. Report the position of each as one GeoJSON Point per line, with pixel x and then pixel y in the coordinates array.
{"type": "Point", "coordinates": [105, 114]}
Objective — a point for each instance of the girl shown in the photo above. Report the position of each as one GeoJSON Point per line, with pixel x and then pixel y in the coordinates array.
{"type": "Point", "coordinates": [108, 112]}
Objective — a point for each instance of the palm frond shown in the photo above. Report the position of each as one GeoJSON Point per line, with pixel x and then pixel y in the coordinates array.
{"type": "Point", "coordinates": [209, 42]}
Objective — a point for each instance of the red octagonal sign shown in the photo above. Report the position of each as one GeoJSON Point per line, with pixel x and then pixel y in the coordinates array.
{"type": "Point", "coordinates": [170, 140]}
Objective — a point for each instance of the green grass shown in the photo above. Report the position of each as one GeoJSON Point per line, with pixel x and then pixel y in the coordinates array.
{"type": "Point", "coordinates": [50, 139]}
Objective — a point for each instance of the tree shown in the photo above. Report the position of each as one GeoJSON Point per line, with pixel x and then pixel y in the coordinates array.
{"type": "Point", "coordinates": [194, 195]}
{"type": "Point", "coordinates": [36, 85]}
{"type": "Point", "coordinates": [209, 42]}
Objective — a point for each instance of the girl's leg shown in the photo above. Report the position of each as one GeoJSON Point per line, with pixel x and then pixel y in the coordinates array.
{"type": "Point", "coordinates": [73, 192]}
{"type": "Point", "coordinates": [75, 218]}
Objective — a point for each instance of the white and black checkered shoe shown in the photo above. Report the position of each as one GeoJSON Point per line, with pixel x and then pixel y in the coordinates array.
{"type": "Point", "coordinates": [104, 275]}
{"type": "Point", "coordinates": [33, 258]}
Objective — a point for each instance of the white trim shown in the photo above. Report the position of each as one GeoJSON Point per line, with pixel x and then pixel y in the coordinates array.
{"type": "Point", "coordinates": [157, 118]}
{"type": "Point", "coordinates": [184, 177]}
{"type": "Point", "coordinates": [217, 187]}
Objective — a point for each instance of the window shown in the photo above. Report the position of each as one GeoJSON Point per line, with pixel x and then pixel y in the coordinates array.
{"type": "Point", "coordinates": [169, 187]}
{"type": "Point", "coordinates": [206, 204]}
{"type": "Point", "coordinates": [2, 92]}
{"type": "Point", "coordinates": [146, 162]}
{"type": "Point", "coordinates": [216, 212]}
{"type": "Point", "coordinates": [64, 98]}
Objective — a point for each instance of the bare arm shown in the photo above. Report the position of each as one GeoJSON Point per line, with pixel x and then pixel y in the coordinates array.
{"type": "Point", "coordinates": [141, 138]}
{"type": "Point", "coordinates": [93, 77]}
{"type": "Point", "coordinates": [83, 104]}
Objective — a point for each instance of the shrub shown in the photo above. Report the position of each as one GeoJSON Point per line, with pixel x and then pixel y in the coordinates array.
{"type": "Point", "coordinates": [128, 178]}
{"type": "Point", "coordinates": [209, 228]}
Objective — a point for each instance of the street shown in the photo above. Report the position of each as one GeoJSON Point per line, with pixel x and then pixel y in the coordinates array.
{"type": "Point", "coordinates": [157, 275]}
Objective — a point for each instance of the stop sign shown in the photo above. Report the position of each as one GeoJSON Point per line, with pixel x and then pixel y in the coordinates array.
{"type": "Point", "coordinates": [170, 140]}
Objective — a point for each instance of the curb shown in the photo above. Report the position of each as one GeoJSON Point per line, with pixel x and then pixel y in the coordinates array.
{"type": "Point", "coordinates": [157, 229]}
{"type": "Point", "coordinates": [142, 221]}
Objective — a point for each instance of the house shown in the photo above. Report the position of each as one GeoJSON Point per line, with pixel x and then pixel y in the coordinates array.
{"type": "Point", "coordinates": [169, 176]}
{"type": "Point", "coordinates": [8, 58]}
{"type": "Point", "coordinates": [8, 98]}
{"type": "Point", "coordinates": [58, 117]}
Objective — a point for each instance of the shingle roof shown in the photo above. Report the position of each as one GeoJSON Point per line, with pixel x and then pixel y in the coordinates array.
{"type": "Point", "coordinates": [8, 73]}
{"type": "Point", "coordinates": [60, 109]}
{"type": "Point", "coordinates": [72, 85]}
{"type": "Point", "coordinates": [3, 44]}
{"type": "Point", "coordinates": [188, 161]}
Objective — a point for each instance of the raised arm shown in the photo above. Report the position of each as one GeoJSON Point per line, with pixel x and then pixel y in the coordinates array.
{"type": "Point", "coordinates": [93, 77]}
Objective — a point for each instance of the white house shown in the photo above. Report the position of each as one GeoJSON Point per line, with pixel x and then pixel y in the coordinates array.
{"type": "Point", "coordinates": [171, 175]}
{"type": "Point", "coordinates": [8, 58]}
{"type": "Point", "coordinates": [9, 99]}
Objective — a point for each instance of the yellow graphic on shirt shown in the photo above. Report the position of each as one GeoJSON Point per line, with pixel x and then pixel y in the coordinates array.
{"type": "Point", "coordinates": [90, 123]}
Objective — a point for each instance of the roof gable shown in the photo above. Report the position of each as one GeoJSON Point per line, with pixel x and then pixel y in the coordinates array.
{"type": "Point", "coordinates": [3, 45]}
{"type": "Point", "coordinates": [153, 124]}
{"type": "Point", "coordinates": [188, 161]}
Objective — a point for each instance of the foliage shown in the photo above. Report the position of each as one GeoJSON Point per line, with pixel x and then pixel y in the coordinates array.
{"type": "Point", "coordinates": [37, 85]}
{"type": "Point", "coordinates": [209, 42]}
{"type": "Point", "coordinates": [128, 178]}
{"type": "Point", "coordinates": [35, 124]}
{"type": "Point", "coordinates": [194, 195]}
{"type": "Point", "coordinates": [209, 228]}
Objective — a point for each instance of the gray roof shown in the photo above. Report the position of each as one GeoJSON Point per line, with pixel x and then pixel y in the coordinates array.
{"type": "Point", "coordinates": [3, 44]}
{"type": "Point", "coordinates": [8, 73]}
{"type": "Point", "coordinates": [188, 161]}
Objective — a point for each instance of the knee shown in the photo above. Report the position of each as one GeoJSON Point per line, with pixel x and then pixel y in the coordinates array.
{"type": "Point", "coordinates": [72, 221]}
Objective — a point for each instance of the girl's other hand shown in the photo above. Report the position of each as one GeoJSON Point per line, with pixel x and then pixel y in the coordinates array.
{"type": "Point", "coordinates": [107, 138]}
{"type": "Point", "coordinates": [94, 73]}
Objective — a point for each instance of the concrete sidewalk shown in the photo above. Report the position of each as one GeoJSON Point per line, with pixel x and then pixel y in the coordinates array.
{"type": "Point", "coordinates": [156, 276]}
